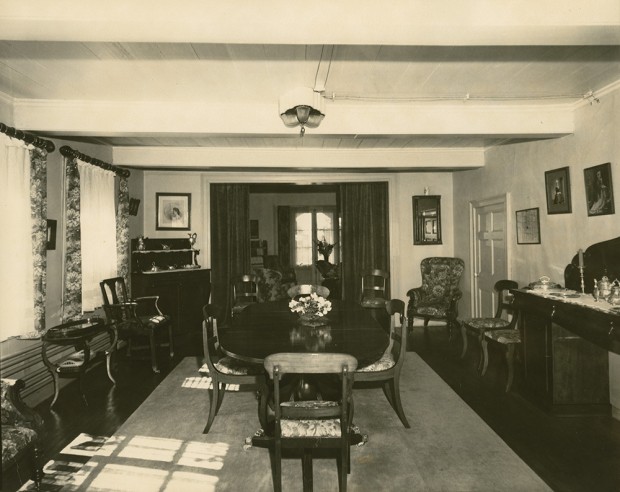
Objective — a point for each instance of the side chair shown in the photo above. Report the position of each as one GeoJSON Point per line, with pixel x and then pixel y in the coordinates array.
{"type": "Point", "coordinates": [478, 326]}
{"type": "Point", "coordinates": [139, 317]}
{"type": "Point", "coordinates": [509, 339]}
{"type": "Point", "coordinates": [373, 291]}
{"type": "Point", "coordinates": [245, 292]}
{"type": "Point", "coordinates": [387, 369]}
{"type": "Point", "coordinates": [221, 368]}
{"type": "Point", "coordinates": [312, 424]}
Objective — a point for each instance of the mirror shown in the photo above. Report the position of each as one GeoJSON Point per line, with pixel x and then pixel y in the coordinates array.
{"type": "Point", "coordinates": [427, 219]}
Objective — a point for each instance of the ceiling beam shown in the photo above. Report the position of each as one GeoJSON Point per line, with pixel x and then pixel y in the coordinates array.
{"type": "Point", "coordinates": [400, 22]}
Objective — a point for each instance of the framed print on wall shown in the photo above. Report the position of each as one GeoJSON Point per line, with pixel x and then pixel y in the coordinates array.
{"type": "Point", "coordinates": [557, 184]}
{"type": "Point", "coordinates": [528, 226]}
{"type": "Point", "coordinates": [599, 190]}
{"type": "Point", "coordinates": [173, 211]}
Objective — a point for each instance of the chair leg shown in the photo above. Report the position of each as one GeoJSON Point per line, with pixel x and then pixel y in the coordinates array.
{"type": "Point", "coordinates": [220, 398]}
{"type": "Point", "coordinates": [153, 352]}
{"type": "Point", "coordinates": [213, 405]}
{"type": "Point", "coordinates": [170, 341]}
{"type": "Point", "coordinates": [485, 355]}
{"type": "Point", "coordinates": [277, 478]}
{"type": "Point", "coordinates": [56, 380]}
{"type": "Point", "coordinates": [427, 340]}
{"type": "Point", "coordinates": [396, 403]}
{"type": "Point", "coordinates": [464, 335]}
{"type": "Point", "coordinates": [306, 470]}
{"type": "Point", "coordinates": [481, 363]}
{"type": "Point", "coordinates": [510, 360]}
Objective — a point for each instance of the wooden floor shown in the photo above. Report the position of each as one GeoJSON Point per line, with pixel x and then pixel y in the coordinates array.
{"type": "Point", "coordinates": [569, 453]}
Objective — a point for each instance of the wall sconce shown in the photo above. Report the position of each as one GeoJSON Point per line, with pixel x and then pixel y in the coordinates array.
{"type": "Point", "coordinates": [302, 106]}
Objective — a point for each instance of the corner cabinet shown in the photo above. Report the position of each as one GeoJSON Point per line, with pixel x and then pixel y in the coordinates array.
{"type": "Point", "coordinates": [565, 360]}
{"type": "Point", "coordinates": [168, 268]}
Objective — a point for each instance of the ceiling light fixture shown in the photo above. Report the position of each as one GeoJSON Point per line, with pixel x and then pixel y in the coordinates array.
{"type": "Point", "coordinates": [302, 106]}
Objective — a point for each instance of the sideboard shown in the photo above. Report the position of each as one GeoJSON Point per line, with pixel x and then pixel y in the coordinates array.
{"type": "Point", "coordinates": [565, 345]}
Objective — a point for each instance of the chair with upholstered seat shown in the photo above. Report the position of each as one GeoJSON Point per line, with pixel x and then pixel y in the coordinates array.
{"type": "Point", "coordinates": [139, 317]}
{"type": "Point", "coordinates": [314, 424]}
{"type": "Point", "coordinates": [245, 292]}
{"type": "Point", "coordinates": [478, 326]}
{"type": "Point", "coordinates": [386, 370]}
{"type": "Point", "coordinates": [222, 369]}
{"type": "Point", "coordinates": [509, 339]}
{"type": "Point", "coordinates": [374, 285]}
{"type": "Point", "coordinates": [438, 296]}
{"type": "Point", "coordinates": [297, 291]}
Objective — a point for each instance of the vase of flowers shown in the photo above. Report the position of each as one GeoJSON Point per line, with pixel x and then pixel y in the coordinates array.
{"type": "Point", "coordinates": [324, 248]}
{"type": "Point", "coordinates": [312, 309]}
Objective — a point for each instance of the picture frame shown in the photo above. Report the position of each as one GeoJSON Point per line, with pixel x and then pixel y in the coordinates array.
{"type": "Point", "coordinates": [599, 190]}
{"type": "Point", "coordinates": [426, 219]}
{"type": "Point", "coordinates": [50, 243]}
{"type": "Point", "coordinates": [173, 211]}
{"type": "Point", "coordinates": [558, 191]}
{"type": "Point", "coordinates": [528, 226]}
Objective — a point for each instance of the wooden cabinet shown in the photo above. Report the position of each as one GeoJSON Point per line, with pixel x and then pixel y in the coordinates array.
{"type": "Point", "coordinates": [565, 360]}
{"type": "Point", "coordinates": [182, 286]}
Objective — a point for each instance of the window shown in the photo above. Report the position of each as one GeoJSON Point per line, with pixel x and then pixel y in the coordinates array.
{"type": "Point", "coordinates": [312, 225]}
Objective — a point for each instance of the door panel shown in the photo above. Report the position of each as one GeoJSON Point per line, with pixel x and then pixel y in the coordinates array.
{"type": "Point", "coordinates": [490, 261]}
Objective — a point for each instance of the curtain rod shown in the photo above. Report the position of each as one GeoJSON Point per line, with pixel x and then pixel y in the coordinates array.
{"type": "Point", "coordinates": [29, 138]}
{"type": "Point", "coordinates": [69, 152]}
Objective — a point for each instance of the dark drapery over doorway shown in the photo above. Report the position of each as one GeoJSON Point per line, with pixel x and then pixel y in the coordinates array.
{"type": "Point", "coordinates": [230, 239]}
{"type": "Point", "coordinates": [365, 240]}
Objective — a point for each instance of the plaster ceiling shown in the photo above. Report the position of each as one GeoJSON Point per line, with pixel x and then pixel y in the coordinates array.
{"type": "Point", "coordinates": [152, 80]}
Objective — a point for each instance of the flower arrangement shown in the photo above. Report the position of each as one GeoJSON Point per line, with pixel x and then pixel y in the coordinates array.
{"type": "Point", "coordinates": [324, 248]}
{"type": "Point", "coordinates": [312, 306]}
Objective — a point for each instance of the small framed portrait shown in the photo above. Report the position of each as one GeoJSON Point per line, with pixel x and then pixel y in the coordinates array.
{"type": "Point", "coordinates": [557, 185]}
{"type": "Point", "coordinates": [173, 211]}
{"type": "Point", "coordinates": [528, 226]}
{"type": "Point", "coordinates": [599, 190]}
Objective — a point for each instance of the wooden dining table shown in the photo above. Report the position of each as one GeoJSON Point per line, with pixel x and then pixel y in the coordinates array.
{"type": "Point", "coordinates": [267, 328]}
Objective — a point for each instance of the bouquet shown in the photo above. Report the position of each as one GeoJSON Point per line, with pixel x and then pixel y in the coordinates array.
{"type": "Point", "coordinates": [312, 306]}
{"type": "Point", "coordinates": [324, 248]}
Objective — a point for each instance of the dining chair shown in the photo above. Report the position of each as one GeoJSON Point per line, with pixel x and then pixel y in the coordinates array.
{"type": "Point", "coordinates": [438, 296]}
{"type": "Point", "coordinates": [135, 318]}
{"type": "Point", "coordinates": [374, 285]}
{"type": "Point", "coordinates": [509, 339]}
{"type": "Point", "coordinates": [297, 291]}
{"type": "Point", "coordinates": [222, 369]}
{"type": "Point", "coordinates": [312, 424]}
{"type": "Point", "coordinates": [245, 292]}
{"type": "Point", "coordinates": [387, 369]}
{"type": "Point", "coordinates": [478, 326]}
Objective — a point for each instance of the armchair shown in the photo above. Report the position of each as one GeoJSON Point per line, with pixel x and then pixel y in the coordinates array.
{"type": "Point", "coordinates": [438, 296]}
{"type": "Point", "coordinates": [21, 427]}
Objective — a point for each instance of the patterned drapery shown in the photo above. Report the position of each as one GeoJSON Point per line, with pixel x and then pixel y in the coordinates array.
{"type": "Point", "coordinates": [72, 291]}
{"type": "Point", "coordinates": [122, 229]}
{"type": "Point", "coordinates": [38, 209]}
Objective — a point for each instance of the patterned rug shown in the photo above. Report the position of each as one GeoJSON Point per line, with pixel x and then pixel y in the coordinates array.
{"type": "Point", "coordinates": [70, 464]}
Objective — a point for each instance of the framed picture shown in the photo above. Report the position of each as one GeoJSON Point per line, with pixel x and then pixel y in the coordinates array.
{"type": "Point", "coordinates": [51, 235]}
{"type": "Point", "coordinates": [173, 211]}
{"type": "Point", "coordinates": [557, 184]}
{"type": "Point", "coordinates": [599, 190]}
{"type": "Point", "coordinates": [528, 226]}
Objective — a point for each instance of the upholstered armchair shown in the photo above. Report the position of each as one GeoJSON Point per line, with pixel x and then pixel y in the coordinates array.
{"type": "Point", "coordinates": [21, 428]}
{"type": "Point", "coordinates": [438, 296]}
{"type": "Point", "coordinates": [271, 284]}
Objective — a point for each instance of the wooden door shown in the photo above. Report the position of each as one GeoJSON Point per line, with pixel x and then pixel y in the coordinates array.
{"type": "Point", "coordinates": [490, 254]}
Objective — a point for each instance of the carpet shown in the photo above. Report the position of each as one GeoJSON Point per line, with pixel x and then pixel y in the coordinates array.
{"type": "Point", "coordinates": [448, 448]}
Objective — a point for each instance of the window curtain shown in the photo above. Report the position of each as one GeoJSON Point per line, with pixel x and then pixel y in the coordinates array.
{"type": "Point", "coordinates": [98, 227]}
{"type": "Point", "coordinates": [365, 241]}
{"type": "Point", "coordinates": [72, 281]}
{"type": "Point", "coordinates": [122, 230]}
{"type": "Point", "coordinates": [23, 202]}
{"type": "Point", "coordinates": [230, 239]}
{"type": "Point", "coordinates": [284, 235]}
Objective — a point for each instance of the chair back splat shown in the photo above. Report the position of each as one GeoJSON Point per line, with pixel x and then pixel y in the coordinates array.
{"type": "Point", "coordinates": [312, 424]}
{"type": "Point", "coordinates": [374, 288]}
{"type": "Point", "coordinates": [297, 291]}
{"type": "Point", "coordinates": [245, 291]}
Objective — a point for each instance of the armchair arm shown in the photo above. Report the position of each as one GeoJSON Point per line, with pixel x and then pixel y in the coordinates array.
{"type": "Point", "coordinates": [147, 305]}
{"type": "Point", "coordinates": [14, 410]}
{"type": "Point", "coordinates": [121, 312]}
{"type": "Point", "coordinates": [415, 295]}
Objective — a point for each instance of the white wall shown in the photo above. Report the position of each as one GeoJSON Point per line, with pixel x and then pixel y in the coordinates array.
{"type": "Point", "coordinates": [519, 169]}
